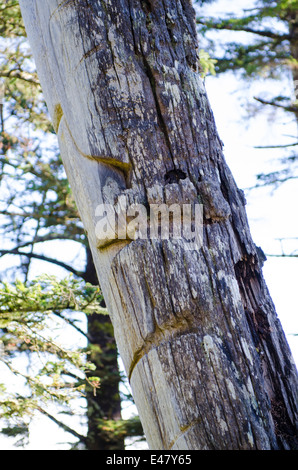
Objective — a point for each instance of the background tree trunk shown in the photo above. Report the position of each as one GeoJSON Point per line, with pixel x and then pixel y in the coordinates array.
{"type": "Point", "coordinates": [205, 354]}
{"type": "Point", "coordinates": [105, 405]}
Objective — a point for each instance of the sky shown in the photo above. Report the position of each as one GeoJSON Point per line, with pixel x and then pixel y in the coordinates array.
{"type": "Point", "coordinates": [272, 215]}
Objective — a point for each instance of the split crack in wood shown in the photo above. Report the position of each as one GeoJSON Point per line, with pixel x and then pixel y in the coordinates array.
{"type": "Point", "coordinates": [157, 338]}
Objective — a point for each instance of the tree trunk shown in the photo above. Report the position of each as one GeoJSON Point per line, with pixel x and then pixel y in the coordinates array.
{"type": "Point", "coordinates": [205, 354]}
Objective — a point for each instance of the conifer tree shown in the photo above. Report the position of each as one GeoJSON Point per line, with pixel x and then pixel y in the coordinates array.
{"type": "Point", "coordinates": [268, 51]}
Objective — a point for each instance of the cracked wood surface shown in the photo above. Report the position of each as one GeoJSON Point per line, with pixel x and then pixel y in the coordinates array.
{"type": "Point", "coordinates": [206, 357]}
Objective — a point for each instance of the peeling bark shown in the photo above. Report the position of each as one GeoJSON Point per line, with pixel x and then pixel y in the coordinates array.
{"type": "Point", "coordinates": [206, 357]}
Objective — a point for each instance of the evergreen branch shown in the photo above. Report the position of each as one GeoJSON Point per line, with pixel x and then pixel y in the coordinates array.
{"type": "Point", "coordinates": [282, 255]}
{"type": "Point", "coordinates": [21, 214]}
{"type": "Point", "coordinates": [7, 7]}
{"type": "Point", "coordinates": [234, 27]}
{"type": "Point", "coordinates": [270, 181]}
{"type": "Point", "coordinates": [291, 109]}
{"type": "Point", "coordinates": [19, 75]}
{"type": "Point", "coordinates": [275, 146]}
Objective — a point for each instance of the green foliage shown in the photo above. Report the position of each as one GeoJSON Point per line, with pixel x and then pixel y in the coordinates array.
{"type": "Point", "coordinates": [21, 85]}
{"type": "Point", "coordinates": [22, 92]}
{"type": "Point", "coordinates": [207, 64]}
{"type": "Point", "coordinates": [122, 428]}
{"type": "Point", "coordinates": [46, 294]}
{"type": "Point", "coordinates": [268, 51]}
{"type": "Point", "coordinates": [36, 202]}
{"type": "Point", "coordinates": [36, 206]}
{"type": "Point", "coordinates": [51, 372]}
{"type": "Point", "coordinates": [11, 20]}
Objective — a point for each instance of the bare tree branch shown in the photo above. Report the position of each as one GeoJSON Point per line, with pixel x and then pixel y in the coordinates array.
{"type": "Point", "coordinates": [43, 258]}
{"type": "Point", "coordinates": [292, 109]}
{"type": "Point", "coordinates": [62, 425]}
{"type": "Point", "coordinates": [228, 26]}
{"type": "Point", "coordinates": [275, 146]}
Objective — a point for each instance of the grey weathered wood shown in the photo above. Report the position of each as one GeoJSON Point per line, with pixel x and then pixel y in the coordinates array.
{"type": "Point", "coordinates": [206, 357]}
